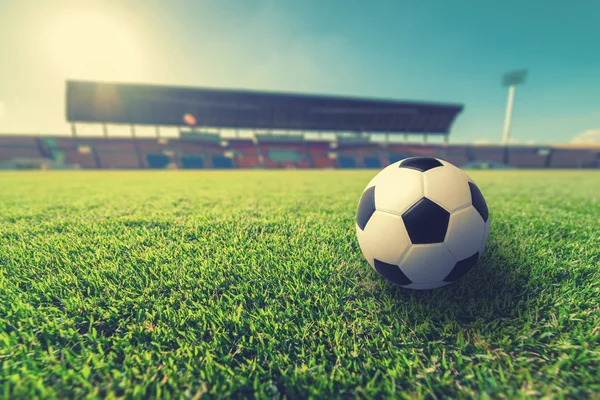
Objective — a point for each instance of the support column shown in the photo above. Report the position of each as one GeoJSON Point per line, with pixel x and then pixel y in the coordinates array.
{"type": "Point", "coordinates": [508, 116]}
{"type": "Point", "coordinates": [157, 130]}
{"type": "Point", "coordinates": [425, 138]}
{"type": "Point", "coordinates": [406, 138]}
{"type": "Point", "coordinates": [105, 130]}
{"type": "Point", "coordinates": [446, 138]}
{"type": "Point", "coordinates": [137, 148]}
{"type": "Point", "coordinates": [74, 130]}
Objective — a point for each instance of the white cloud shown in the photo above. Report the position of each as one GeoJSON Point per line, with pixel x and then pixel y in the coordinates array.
{"type": "Point", "coordinates": [590, 136]}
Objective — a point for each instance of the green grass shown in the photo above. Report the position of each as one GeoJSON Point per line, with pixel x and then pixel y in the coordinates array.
{"type": "Point", "coordinates": [209, 284]}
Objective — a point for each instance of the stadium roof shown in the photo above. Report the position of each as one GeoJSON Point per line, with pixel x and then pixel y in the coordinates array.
{"type": "Point", "coordinates": [95, 102]}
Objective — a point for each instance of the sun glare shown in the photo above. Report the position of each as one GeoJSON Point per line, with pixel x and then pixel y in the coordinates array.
{"type": "Point", "coordinates": [91, 45]}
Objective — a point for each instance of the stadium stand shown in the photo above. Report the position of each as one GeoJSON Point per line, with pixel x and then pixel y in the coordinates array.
{"type": "Point", "coordinates": [346, 161]}
{"type": "Point", "coordinates": [359, 152]}
{"type": "Point", "coordinates": [244, 153]}
{"type": "Point", "coordinates": [283, 151]}
{"type": "Point", "coordinates": [528, 157]}
{"type": "Point", "coordinates": [152, 146]}
{"type": "Point", "coordinates": [76, 152]}
{"type": "Point", "coordinates": [117, 153]}
{"type": "Point", "coordinates": [196, 150]}
{"type": "Point", "coordinates": [192, 162]}
{"type": "Point", "coordinates": [319, 154]}
{"type": "Point", "coordinates": [128, 153]}
{"type": "Point", "coordinates": [8, 153]}
{"type": "Point", "coordinates": [369, 156]}
{"type": "Point", "coordinates": [17, 141]}
{"type": "Point", "coordinates": [12, 147]}
{"type": "Point", "coordinates": [494, 154]}
{"type": "Point", "coordinates": [351, 120]}
{"type": "Point", "coordinates": [397, 152]}
{"type": "Point", "coordinates": [457, 155]}
{"type": "Point", "coordinates": [283, 156]}
{"type": "Point", "coordinates": [574, 157]}
{"type": "Point", "coordinates": [372, 162]}
{"type": "Point", "coordinates": [157, 160]}
{"type": "Point", "coordinates": [222, 162]}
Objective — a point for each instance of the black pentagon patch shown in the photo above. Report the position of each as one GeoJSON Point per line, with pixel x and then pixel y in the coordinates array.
{"type": "Point", "coordinates": [366, 207]}
{"type": "Point", "coordinates": [478, 201]}
{"type": "Point", "coordinates": [392, 273]}
{"type": "Point", "coordinates": [426, 222]}
{"type": "Point", "coordinates": [420, 163]}
{"type": "Point", "coordinates": [461, 268]}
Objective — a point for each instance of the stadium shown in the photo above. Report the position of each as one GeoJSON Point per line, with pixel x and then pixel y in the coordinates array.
{"type": "Point", "coordinates": [243, 200]}
{"type": "Point", "coordinates": [274, 127]}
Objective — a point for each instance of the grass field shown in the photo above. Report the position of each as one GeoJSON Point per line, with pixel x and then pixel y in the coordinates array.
{"type": "Point", "coordinates": [195, 284]}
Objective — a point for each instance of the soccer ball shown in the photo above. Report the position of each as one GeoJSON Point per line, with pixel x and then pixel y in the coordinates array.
{"type": "Point", "coordinates": [422, 223]}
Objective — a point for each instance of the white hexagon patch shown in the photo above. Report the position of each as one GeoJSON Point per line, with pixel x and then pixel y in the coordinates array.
{"type": "Point", "coordinates": [448, 186]}
{"type": "Point", "coordinates": [398, 189]}
{"type": "Point", "coordinates": [385, 237]}
{"type": "Point", "coordinates": [427, 262]}
{"type": "Point", "coordinates": [465, 232]}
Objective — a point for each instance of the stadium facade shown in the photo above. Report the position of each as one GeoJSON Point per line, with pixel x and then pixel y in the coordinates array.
{"type": "Point", "coordinates": [202, 114]}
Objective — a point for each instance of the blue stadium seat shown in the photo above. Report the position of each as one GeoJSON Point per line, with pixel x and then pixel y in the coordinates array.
{"type": "Point", "coordinates": [372, 162]}
{"type": "Point", "coordinates": [157, 161]}
{"type": "Point", "coordinates": [222, 162]}
{"type": "Point", "coordinates": [192, 162]}
{"type": "Point", "coordinates": [396, 157]}
{"type": "Point", "coordinates": [346, 162]}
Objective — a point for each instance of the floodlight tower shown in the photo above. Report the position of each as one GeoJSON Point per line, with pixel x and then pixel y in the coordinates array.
{"type": "Point", "coordinates": [511, 79]}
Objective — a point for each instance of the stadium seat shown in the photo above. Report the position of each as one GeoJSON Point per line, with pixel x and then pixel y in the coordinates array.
{"type": "Point", "coordinates": [80, 160]}
{"type": "Point", "coordinates": [118, 160]}
{"type": "Point", "coordinates": [245, 153]}
{"type": "Point", "coordinates": [192, 162]}
{"type": "Point", "coordinates": [371, 162]}
{"type": "Point", "coordinates": [488, 153]}
{"type": "Point", "coordinates": [157, 161]}
{"type": "Point", "coordinates": [574, 158]}
{"type": "Point", "coordinates": [528, 157]}
{"type": "Point", "coordinates": [152, 146]}
{"type": "Point", "coordinates": [248, 162]}
{"type": "Point", "coordinates": [396, 157]}
{"type": "Point", "coordinates": [346, 162]}
{"type": "Point", "coordinates": [456, 155]}
{"type": "Point", "coordinates": [222, 162]}
{"type": "Point", "coordinates": [319, 153]}
{"type": "Point", "coordinates": [9, 153]}
{"type": "Point", "coordinates": [12, 146]}
{"type": "Point", "coordinates": [17, 141]}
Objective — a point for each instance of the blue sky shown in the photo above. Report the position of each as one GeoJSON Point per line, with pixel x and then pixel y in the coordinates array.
{"type": "Point", "coordinates": [446, 50]}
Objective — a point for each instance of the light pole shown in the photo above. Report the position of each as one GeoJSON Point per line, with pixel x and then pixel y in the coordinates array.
{"type": "Point", "coordinates": [511, 79]}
